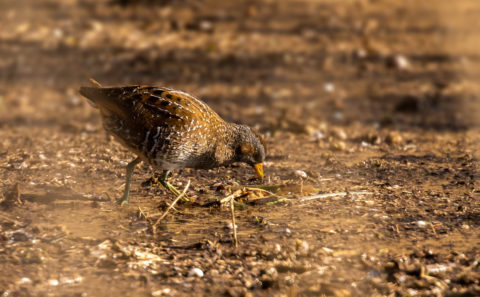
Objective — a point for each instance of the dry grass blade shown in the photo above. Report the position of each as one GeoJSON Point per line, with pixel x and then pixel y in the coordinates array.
{"type": "Point", "coordinates": [232, 196]}
{"type": "Point", "coordinates": [154, 215]}
{"type": "Point", "coordinates": [246, 191]}
{"type": "Point", "coordinates": [260, 189]}
{"type": "Point", "coordinates": [9, 219]}
{"type": "Point", "coordinates": [329, 195]}
{"type": "Point", "coordinates": [171, 205]}
{"type": "Point", "coordinates": [234, 226]}
{"type": "Point", "coordinates": [231, 199]}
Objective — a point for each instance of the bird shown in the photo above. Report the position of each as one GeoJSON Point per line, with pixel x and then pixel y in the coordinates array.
{"type": "Point", "coordinates": [171, 129]}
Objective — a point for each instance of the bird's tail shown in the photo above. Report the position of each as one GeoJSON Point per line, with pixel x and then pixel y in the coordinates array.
{"type": "Point", "coordinates": [111, 99]}
{"type": "Point", "coordinates": [103, 98]}
{"type": "Point", "coordinates": [91, 93]}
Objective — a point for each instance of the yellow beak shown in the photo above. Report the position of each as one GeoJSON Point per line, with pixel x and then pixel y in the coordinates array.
{"type": "Point", "coordinates": [259, 170]}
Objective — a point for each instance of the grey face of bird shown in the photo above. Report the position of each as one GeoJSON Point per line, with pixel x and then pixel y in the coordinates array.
{"type": "Point", "coordinates": [250, 149]}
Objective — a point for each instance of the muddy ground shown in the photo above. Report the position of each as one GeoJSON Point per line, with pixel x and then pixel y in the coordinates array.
{"type": "Point", "coordinates": [377, 100]}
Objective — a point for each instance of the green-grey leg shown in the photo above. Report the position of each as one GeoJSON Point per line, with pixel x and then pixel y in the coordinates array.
{"type": "Point", "coordinates": [169, 186]}
{"type": "Point", "coordinates": [126, 193]}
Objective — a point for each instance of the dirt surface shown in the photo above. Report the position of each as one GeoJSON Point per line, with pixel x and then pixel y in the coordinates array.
{"type": "Point", "coordinates": [375, 101]}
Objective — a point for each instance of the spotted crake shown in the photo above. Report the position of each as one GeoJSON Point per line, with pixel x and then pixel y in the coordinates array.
{"type": "Point", "coordinates": [171, 129]}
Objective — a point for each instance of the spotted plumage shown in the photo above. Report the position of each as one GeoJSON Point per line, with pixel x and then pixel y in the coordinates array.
{"type": "Point", "coordinates": [171, 129]}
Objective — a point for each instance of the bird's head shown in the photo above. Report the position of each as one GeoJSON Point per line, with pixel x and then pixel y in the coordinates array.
{"type": "Point", "coordinates": [250, 149]}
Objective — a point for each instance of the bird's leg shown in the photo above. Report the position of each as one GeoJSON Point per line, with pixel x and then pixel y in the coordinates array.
{"type": "Point", "coordinates": [126, 192]}
{"type": "Point", "coordinates": [169, 186]}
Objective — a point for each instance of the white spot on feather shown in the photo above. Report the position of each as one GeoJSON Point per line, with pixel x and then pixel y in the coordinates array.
{"type": "Point", "coordinates": [155, 139]}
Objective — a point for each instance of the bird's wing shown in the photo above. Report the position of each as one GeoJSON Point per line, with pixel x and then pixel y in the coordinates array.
{"type": "Point", "coordinates": [174, 107]}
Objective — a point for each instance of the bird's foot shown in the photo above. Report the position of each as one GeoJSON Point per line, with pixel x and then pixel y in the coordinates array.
{"type": "Point", "coordinates": [123, 201]}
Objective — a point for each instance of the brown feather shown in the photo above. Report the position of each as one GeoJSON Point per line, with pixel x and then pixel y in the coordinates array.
{"type": "Point", "coordinates": [168, 128]}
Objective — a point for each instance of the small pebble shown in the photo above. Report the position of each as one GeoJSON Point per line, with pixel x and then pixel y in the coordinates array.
{"type": "Point", "coordinates": [197, 272]}
{"type": "Point", "coordinates": [206, 26]}
{"type": "Point", "coordinates": [53, 282]}
{"type": "Point", "coordinates": [230, 226]}
{"type": "Point", "coordinates": [22, 165]}
{"type": "Point", "coordinates": [393, 138]}
{"type": "Point", "coordinates": [270, 271]}
{"type": "Point", "coordinates": [338, 145]}
{"type": "Point", "coordinates": [24, 280]}
{"type": "Point", "coordinates": [90, 128]}
{"type": "Point", "coordinates": [278, 248]}
{"type": "Point", "coordinates": [327, 250]}
{"type": "Point", "coordinates": [301, 173]}
{"type": "Point", "coordinates": [360, 54]}
{"type": "Point", "coordinates": [329, 87]}
{"type": "Point", "coordinates": [421, 224]}
{"type": "Point", "coordinates": [57, 32]}
{"type": "Point", "coordinates": [301, 246]}
{"type": "Point", "coordinates": [399, 62]}
{"type": "Point", "coordinates": [338, 116]}
{"type": "Point", "coordinates": [317, 135]}
{"type": "Point", "coordinates": [162, 292]}
{"type": "Point", "coordinates": [340, 134]}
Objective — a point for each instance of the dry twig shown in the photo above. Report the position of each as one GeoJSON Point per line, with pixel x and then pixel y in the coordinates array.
{"type": "Point", "coordinates": [234, 226]}
{"type": "Point", "coordinates": [236, 194]}
{"type": "Point", "coordinates": [171, 206]}
{"type": "Point", "coordinates": [329, 195]}
{"type": "Point", "coordinates": [433, 229]}
{"type": "Point", "coordinates": [9, 219]}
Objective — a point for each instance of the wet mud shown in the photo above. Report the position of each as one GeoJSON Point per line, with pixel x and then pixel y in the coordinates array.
{"type": "Point", "coordinates": [370, 114]}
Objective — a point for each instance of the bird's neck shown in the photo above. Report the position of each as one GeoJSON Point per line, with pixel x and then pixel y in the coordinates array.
{"type": "Point", "coordinates": [225, 151]}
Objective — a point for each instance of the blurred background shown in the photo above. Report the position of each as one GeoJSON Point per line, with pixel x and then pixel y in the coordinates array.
{"type": "Point", "coordinates": [375, 95]}
{"type": "Point", "coordinates": [388, 62]}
